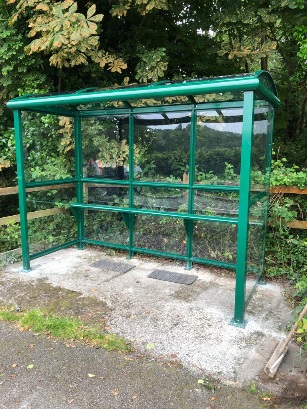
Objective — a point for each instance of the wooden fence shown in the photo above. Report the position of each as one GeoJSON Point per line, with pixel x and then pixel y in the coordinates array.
{"type": "Point", "coordinates": [293, 190]}
{"type": "Point", "coordinates": [4, 191]}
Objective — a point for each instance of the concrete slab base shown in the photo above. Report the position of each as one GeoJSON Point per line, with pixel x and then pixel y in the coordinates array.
{"type": "Point", "coordinates": [165, 318]}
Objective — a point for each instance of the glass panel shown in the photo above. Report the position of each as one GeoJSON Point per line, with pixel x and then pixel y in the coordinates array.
{"type": "Point", "coordinates": [48, 147]}
{"type": "Point", "coordinates": [256, 237]}
{"type": "Point", "coordinates": [218, 146]}
{"type": "Point", "coordinates": [48, 198]}
{"type": "Point", "coordinates": [50, 231]}
{"type": "Point", "coordinates": [162, 144]}
{"type": "Point", "coordinates": [154, 102]}
{"type": "Point", "coordinates": [216, 203]}
{"type": "Point", "coordinates": [259, 196]}
{"type": "Point", "coordinates": [170, 200]}
{"type": "Point", "coordinates": [9, 205]}
{"type": "Point", "coordinates": [215, 241]}
{"type": "Point", "coordinates": [165, 234]}
{"type": "Point", "coordinates": [109, 227]}
{"type": "Point", "coordinates": [260, 170]}
{"type": "Point", "coordinates": [108, 195]}
{"type": "Point", "coordinates": [105, 147]}
{"type": "Point", "coordinates": [52, 223]}
{"type": "Point", "coordinates": [220, 97]}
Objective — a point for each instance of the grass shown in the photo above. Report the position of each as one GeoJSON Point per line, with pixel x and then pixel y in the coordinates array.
{"type": "Point", "coordinates": [65, 328]}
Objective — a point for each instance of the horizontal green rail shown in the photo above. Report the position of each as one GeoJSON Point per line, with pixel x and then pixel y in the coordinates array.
{"type": "Point", "coordinates": [106, 244]}
{"type": "Point", "coordinates": [178, 215]}
{"type": "Point", "coordinates": [216, 263]}
{"type": "Point", "coordinates": [187, 88]}
{"type": "Point", "coordinates": [159, 253]}
{"type": "Point", "coordinates": [105, 181]}
{"type": "Point", "coordinates": [159, 109]}
{"type": "Point", "coordinates": [176, 185]}
{"type": "Point", "coordinates": [53, 249]}
{"type": "Point", "coordinates": [51, 182]}
{"type": "Point", "coordinates": [136, 249]}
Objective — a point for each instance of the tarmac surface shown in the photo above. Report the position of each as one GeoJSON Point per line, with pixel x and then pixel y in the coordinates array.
{"type": "Point", "coordinates": [180, 333]}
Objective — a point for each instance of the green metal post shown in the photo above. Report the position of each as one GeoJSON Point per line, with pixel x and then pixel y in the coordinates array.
{"type": "Point", "coordinates": [22, 191]}
{"type": "Point", "coordinates": [189, 224]}
{"type": "Point", "coordinates": [79, 176]}
{"type": "Point", "coordinates": [245, 179]}
{"type": "Point", "coordinates": [131, 186]}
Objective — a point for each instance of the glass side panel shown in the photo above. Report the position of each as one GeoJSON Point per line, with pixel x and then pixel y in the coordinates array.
{"type": "Point", "coordinates": [224, 204]}
{"type": "Point", "coordinates": [218, 146]}
{"type": "Point", "coordinates": [105, 147]}
{"type": "Point", "coordinates": [215, 241]}
{"type": "Point", "coordinates": [107, 195]}
{"type": "Point", "coordinates": [260, 168]}
{"type": "Point", "coordinates": [256, 245]}
{"type": "Point", "coordinates": [164, 234]}
{"type": "Point", "coordinates": [50, 231]}
{"type": "Point", "coordinates": [259, 195]}
{"type": "Point", "coordinates": [162, 145]}
{"type": "Point", "coordinates": [48, 143]}
{"type": "Point", "coordinates": [164, 199]}
{"type": "Point", "coordinates": [109, 227]}
{"type": "Point", "coordinates": [50, 219]}
{"type": "Point", "coordinates": [47, 198]}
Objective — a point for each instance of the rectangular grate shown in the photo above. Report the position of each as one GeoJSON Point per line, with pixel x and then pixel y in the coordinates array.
{"type": "Point", "coordinates": [173, 277]}
{"type": "Point", "coordinates": [115, 266]}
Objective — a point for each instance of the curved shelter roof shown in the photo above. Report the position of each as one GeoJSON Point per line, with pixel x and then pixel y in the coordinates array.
{"type": "Point", "coordinates": [224, 88]}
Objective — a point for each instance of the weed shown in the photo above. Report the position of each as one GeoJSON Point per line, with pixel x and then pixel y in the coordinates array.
{"type": "Point", "coordinates": [208, 384]}
{"type": "Point", "coordinates": [65, 328]}
{"type": "Point", "coordinates": [253, 388]}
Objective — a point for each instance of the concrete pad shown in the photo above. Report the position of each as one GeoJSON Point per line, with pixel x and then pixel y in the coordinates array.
{"type": "Point", "coordinates": [166, 318]}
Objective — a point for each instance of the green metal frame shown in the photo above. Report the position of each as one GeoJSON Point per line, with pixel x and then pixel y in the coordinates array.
{"type": "Point", "coordinates": [257, 89]}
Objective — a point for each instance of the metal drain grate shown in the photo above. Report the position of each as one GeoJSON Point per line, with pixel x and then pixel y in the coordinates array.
{"type": "Point", "coordinates": [173, 277]}
{"type": "Point", "coordinates": [115, 266]}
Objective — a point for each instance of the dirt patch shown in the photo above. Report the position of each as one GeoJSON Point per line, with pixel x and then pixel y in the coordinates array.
{"type": "Point", "coordinates": [53, 299]}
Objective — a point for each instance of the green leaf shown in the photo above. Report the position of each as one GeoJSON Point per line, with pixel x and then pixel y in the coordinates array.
{"type": "Point", "coordinates": [91, 11]}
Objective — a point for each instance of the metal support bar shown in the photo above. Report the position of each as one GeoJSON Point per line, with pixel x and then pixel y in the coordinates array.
{"type": "Point", "coordinates": [79, 176]}
{"type": "Point", "coordinates": [22, 191]}
{"type": "Point", "coordinates": [245, 179]}
{"type": "Point", "coordinates": [177, 215]}
{"type": "Point", "coordinates": [131, 187]}
{"type": "Point", "coordinates": [189, 225]}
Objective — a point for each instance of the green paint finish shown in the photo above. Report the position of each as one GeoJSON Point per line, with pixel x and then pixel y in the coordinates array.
{"type": "Point", "coordinates": [79, 176]}
{"type": "Point", "coordinates": [169, 203]}
{"type": "Point", "coordinates": [83, 206]}
{"type": "Point", "coordinates": [131, 180]}
{"type": "Point", "coordinates": [242, 241]}
{"type": "Point", "coordinates": [213, 85]}
{"type": "Point", "coordinates": [22, 191]}
{"type": "Point", "coordinates": [50, 182]}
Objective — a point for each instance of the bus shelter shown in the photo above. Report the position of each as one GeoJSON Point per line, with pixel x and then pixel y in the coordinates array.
{"type": "Point", "coordinates": [172, 169]}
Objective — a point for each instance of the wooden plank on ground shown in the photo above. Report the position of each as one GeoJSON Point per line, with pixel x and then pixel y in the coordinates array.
{"type": "Point", "coordinates": [32, 215]}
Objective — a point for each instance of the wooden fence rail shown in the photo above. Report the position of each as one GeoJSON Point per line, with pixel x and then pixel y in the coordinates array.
{"type": "Point", "coordinates": [4, 191]}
